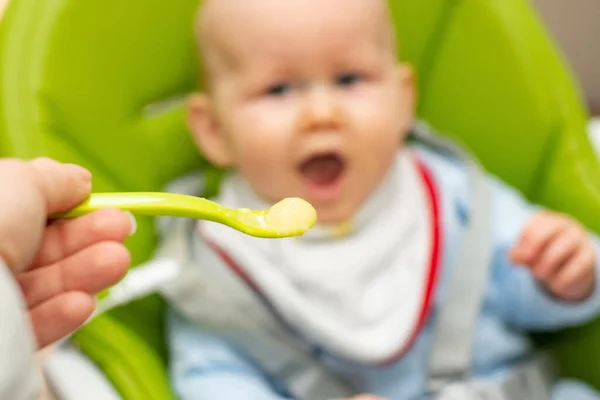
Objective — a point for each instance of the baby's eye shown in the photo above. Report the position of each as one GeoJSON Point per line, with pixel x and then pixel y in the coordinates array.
{"type": "Point", "coordinates": [348, 79]}
{"type": "Point", "coordinates": [279, 89]}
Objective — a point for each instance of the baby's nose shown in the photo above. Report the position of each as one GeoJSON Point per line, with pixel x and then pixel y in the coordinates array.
{"type": "Point", "coordinates": [322, 108]}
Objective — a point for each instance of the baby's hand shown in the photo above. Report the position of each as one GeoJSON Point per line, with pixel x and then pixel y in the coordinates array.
{"type": "Point", "coordinates": [559, 253]}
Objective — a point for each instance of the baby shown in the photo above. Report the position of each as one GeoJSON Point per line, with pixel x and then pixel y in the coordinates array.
{"type": "Point", "coordinates": [306, 98]}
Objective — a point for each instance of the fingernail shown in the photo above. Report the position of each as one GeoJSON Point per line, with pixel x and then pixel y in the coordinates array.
{"type": "Point", "coordinates": [83, 173]}
{"type": "Point", "coordinates": [133, 223]}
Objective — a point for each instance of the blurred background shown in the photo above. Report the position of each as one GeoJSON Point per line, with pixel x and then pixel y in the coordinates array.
{"type": "Point", "coordinates": [576, 27]}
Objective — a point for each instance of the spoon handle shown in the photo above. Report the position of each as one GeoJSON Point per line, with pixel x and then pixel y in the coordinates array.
{"type": "Point", "coordinates": [151, 204]}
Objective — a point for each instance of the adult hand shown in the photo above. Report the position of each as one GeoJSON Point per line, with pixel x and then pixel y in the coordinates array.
{"type": "Point", "coordinates": [59, 265]}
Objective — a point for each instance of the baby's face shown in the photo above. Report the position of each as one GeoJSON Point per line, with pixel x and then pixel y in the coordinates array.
{"type": "Point", "coordinates": [306, 99]}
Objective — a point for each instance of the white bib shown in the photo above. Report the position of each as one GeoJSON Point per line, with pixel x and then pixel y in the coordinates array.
{"type": "Point", "coordinates": [362, 296]}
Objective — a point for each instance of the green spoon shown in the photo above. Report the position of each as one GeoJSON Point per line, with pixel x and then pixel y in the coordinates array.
{"type": "Point", "coordinates": [290, 217]}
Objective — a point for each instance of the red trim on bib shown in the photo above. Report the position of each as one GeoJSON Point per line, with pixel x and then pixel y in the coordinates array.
{"type": "Point", "coordinates": [434, 261]}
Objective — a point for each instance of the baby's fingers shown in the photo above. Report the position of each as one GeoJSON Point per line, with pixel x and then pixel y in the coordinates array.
{"type": "Point", "coordinates": [556, 253]}
{"type": "Point", "coordinates": [539, 231]}
{"type": "Point", "coordinates": [576, 280]}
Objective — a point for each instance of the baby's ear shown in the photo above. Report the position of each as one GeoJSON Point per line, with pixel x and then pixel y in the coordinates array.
{"type": "Point", "coordinates": [206, 130]}
{"type": "Point", "coordinates": [408, 96]}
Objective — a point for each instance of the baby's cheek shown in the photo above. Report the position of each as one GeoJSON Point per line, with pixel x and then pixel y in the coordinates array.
{"type": "Point", "coordinates": [264, 169]}
{"type": "Point", "coordinates": [383, 147]}
{"type": "Point", "coordinates": [257, 137]}
{"type": "Point", "coordinates": [270, 117]}
{"type": "Point", "coordinates": [257, 163]}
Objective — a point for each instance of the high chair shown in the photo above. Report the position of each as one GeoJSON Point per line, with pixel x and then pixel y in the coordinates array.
{"type": "Point", "coordinates": [103, 83]}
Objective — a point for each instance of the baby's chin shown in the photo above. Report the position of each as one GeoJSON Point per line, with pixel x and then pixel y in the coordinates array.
{"type": "Point", "coordinates": [335, 215]}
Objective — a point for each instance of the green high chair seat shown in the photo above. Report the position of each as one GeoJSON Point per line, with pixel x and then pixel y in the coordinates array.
{"type": "Point", "coordinates": [102, 83]}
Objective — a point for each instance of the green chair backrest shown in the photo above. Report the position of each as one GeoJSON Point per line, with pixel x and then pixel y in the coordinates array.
{"type": "Point", "coordinates": [102, 83]}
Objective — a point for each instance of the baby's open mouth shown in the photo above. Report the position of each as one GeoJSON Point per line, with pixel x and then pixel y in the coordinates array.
{"type": "Point", "coordinates": [323, 169]}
